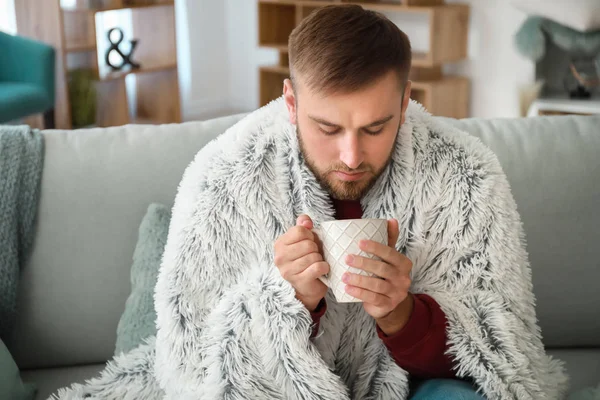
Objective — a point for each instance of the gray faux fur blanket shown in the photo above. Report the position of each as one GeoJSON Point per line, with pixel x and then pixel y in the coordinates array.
{"type": "Point", "coordinates": [229, 327]}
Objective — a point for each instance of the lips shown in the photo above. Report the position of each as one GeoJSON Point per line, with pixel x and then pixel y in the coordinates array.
{"type": "Point", "coordinates": [350, 177]}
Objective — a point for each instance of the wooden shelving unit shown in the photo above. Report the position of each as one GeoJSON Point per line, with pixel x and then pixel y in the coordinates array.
{"type": "Point", "coordinates": [448, 27]}
{"type": "Point", "coordinates": [156, 84]}
{"type": "Point", "coordinates": [74, 31]}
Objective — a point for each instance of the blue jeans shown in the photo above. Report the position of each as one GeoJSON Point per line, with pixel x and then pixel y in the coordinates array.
{"type": "Point", "coordinates": [444, 389]}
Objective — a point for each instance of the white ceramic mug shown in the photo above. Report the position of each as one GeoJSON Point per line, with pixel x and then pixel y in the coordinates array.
{"type": "Point", "coordinates": [340, 238]}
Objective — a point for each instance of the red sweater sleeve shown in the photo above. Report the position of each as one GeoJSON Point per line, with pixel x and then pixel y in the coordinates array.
{"type": "Point", "coordinates": [420, 346]}
{"type": "Point", "coordinates": [316, 316]}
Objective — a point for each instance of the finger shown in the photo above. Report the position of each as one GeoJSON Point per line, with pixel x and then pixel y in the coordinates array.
{"type": "Point", "coordinates": [369, 283]}
{"type": "Point", "coordinates": [379, 268]}
{"type": "Point", "coordinates": [298, 250]}
{"type": "Point", "coordinates": [301, 264]}
{"type": "Point", "coordinates": [367, 296]}
{"type": "Point", "coordinates": [313, 272]}
{"type": "Point", "coordinates": [393, 232]}
{"type": "Point", "coordinates": [297, 234]}
{"type": "Point", "coordinates": [305, 221]}
{"type": "Point", "coordinates": [386, 253]}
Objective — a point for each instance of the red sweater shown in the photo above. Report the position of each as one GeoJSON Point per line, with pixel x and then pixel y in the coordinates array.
{"type": "Point", "coordinates": [419, 347]}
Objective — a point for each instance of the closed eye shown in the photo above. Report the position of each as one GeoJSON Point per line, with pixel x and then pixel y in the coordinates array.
{"type": "Point", "coordinates": [374, 132]}
{"type": "Point", "coordinates": [330, 131]}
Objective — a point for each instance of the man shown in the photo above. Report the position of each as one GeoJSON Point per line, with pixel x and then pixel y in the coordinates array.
{"type": "Point", "coordinates": [348, 97]}
{"type": "Point", "coordinates": [241, 312]}
{"type": "Point", "coordinates": [352, 106]}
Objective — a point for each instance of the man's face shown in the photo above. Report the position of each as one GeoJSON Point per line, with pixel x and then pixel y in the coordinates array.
{"type": "Point", "coordinates": [347, 139]}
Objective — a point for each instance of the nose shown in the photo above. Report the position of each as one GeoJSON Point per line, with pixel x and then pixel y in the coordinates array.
{"type": "Point", "coordinates": [351, 153]}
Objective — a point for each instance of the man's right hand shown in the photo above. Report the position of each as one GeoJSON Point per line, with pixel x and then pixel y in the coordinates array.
{"type": "Point", "coordinates": [300, 262]}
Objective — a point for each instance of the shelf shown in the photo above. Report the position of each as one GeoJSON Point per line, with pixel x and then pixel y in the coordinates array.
{"type": "Point", "coordinates": [419, 59]}
{"type": "Point", "coordinates": [416, 6]}
{"type": "Point", "coordinates": [416, 85]}
{"type": "Point", "coordinates": [426, 85]}
{"type": "Point", "coordinates": [282, 47]}
{"type": "Point", "coordinates": [113, 75]}
{"type": "Point", "coordinates": [448, 27]}
{"type": "Point", "coordinates": [276, 69]}
{"type": "Point", "coordinates": [448, 96]}
{"type": "Point", "coordinates": [80, 9]}
{"type": "Point", "coordinates": [562, 104]}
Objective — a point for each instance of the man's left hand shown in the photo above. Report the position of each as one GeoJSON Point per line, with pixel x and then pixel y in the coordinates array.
{"type": "Point", "coordinates": [385, 297]}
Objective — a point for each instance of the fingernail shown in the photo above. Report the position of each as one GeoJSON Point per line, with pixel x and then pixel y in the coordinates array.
{"type": "Point", "coordinates": [345, 277]}
{"type": "Point", "coordinates": [349, 259]}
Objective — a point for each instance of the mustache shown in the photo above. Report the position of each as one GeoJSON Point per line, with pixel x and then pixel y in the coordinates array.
{"type": "Point", "coordinates": [346, 170]}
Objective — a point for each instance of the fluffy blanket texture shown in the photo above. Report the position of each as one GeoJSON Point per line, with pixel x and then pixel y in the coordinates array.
{"type": "Point", "coordinates": [229, 327]}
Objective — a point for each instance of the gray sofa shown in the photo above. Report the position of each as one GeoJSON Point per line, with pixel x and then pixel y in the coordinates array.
{"type": "Point", "coordinates": [98, 183]}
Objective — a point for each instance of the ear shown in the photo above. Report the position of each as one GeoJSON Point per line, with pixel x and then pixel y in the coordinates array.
{"type": "Point", "coordinates": [290, 100]}
{"type": "Point", "coordinates": [407, 91]}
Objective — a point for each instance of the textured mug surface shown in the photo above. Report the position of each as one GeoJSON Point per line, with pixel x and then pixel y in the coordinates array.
{"type": "Point", "coordinates": [340, 238]}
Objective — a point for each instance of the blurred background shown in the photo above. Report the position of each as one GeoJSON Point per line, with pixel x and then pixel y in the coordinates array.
{"type": "Point", "coordinates": [204, 58]}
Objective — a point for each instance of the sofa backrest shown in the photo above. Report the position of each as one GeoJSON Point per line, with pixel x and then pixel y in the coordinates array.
{"type": "Point", "coordinates": [553, 166]}
{"type": "Point", "coordinates": [96, 187]}
{"type": "Point", "coordinates": [98, 183]}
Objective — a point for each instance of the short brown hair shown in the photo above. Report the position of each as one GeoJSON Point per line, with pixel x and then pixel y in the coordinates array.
{"type": "Point", "coordinates": [343, 48]}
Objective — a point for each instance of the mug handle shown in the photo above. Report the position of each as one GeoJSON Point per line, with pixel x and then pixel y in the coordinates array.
{"type": "Point", "coordinates": [324, 278]}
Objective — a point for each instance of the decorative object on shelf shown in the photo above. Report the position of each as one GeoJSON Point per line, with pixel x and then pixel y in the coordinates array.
{"type": "Point", "coordinates": [114, 47]}
{"type": "Point", "coordinates": [582, 48]}
{"type": "Point", "coordinates": [531, 39]}
{"type": "Point", "coordinates": [581, 15]}
{"type": "Point", "coordinates": [583, 78]}
{"type": "Point", "coordinates": [82, 94]}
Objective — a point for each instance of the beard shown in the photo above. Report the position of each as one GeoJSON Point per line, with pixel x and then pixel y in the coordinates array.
{"type": "Point", "coordinates": [339, 189]}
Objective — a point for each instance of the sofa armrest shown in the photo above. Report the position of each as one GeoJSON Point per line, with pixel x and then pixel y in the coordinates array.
{"type": "Point", "coordinates": [28, 61]}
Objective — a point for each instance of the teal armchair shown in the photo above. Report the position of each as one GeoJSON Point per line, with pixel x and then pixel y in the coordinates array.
{"type": "Point", "coordinates": [27, 82]}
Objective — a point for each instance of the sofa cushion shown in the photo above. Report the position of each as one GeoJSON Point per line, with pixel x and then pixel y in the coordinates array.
{"type": "Point", "coordinates": [11, 385]}
{"type": "Point", "coordinates": [21, 99]}
{"type": "Point", "coordinates": [138, 321]}
{"type": "Point", "coordinates": [49, 380]}
{"type": "Point", "coordinates": [553, 168]}
{"type": "Point", "coordinates": [583, 366]}
{"type": "Point", "coordinates": [96, 187]}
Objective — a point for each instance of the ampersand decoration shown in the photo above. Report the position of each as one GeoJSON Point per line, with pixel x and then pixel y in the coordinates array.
{"type": "Point", "coordinates": [114, 46]}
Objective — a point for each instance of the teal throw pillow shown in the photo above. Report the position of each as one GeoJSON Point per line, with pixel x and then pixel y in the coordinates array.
{"type": "Point", "coordinates": [138, 321]}
{"type": "Point", "coordinates": [11, 386]}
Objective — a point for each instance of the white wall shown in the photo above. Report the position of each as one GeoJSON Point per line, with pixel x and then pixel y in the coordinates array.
{"type": "Point", "coordinates": [203, 58]}
{"type": "Point", "coordinates": [244, 55]}
{"type": "Point", "coordinates": [494, 66]}
{"type": "Point", "coordinates": [8, 22]}
{"type": "Point", "coordinates": [219, 57]}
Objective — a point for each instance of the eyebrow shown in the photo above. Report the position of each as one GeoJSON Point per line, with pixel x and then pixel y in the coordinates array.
{"type": "Point", "coordinates": [371, 125]}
